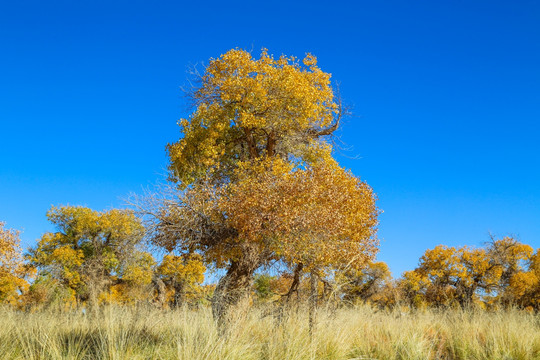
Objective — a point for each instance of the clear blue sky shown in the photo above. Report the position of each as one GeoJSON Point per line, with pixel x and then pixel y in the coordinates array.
{"type": "Point", "coordinates": [446, 97]}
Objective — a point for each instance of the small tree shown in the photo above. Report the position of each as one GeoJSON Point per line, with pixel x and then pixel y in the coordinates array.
{"type": "Point", "coordinates": [524, 286]}
{"type": "Point", "coordinates": [496, 273]}
{"type": "Point", "coordinates": [182, 276]}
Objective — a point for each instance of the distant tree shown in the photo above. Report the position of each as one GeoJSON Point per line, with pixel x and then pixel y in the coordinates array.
{"type": "Point", "coordinates": [368, 284]}
{"type": "Point", "coordinates": [479, 276]}
{"type": "Point", "coordinates": [13, 271]}
{"type": "Point", "coordinates": [263, 286]}
{"type": "Point", "coordinates": [442, 267]}
{"type": "Point", "coordinates": [183, 277]}
{"type": "Point", "coordinates": [91, 251]}
{"type": "Point", "coordinates": [413, 288]}
{"type": "Point", "coordinates": [132, 282]}
{"type": "Point", "coordinates": [46, 292]}
{"type": "Point", "coordinates": [502, 272]}
{"type": "Point", "coordinates": [524, 286]}
{"type": "Point", "coordinates": [510, 258]}
{"type": "Point", "coordinates": [447, 275]}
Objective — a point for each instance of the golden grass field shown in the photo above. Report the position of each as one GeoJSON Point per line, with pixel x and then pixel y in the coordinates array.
{"type": "Point", "coordinates": [359, 333]}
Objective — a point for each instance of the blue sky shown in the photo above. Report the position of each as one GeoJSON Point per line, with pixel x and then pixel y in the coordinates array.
{"type": "Point", "coordinates": [445, 95]}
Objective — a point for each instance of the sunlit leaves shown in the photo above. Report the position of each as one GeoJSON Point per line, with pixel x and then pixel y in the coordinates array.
{"type": "Point", "coordinates": [496, 274]}
{"type": "Point", "coordinates": [256, 177]}
{"type": "Point", "coordinates": [248, 108]}
{"type": "Point", "coordinates": [189, 270]}
{"type": "Point", "coordinates": [12, 269]}
{"type": "Point", "coordinates": [183, 276]}
{"type": "Point", "coordinates": [319, 215]}
{"type": "Point", "coordinates": [369, 283]}
{"type": "Point", "coordinates": [91, 249]}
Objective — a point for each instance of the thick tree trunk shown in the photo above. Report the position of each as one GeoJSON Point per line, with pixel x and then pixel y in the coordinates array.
{"type": "Point", "coordinates": [179, 295]}
{"type": "Point", "coordinates": [466, 298]}
{"type": "Point", "coordinates": [161, 290]}
{"type": "Point", "coordinates": [236, 283]}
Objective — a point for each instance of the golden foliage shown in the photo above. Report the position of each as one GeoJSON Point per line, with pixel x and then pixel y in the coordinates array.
{"type": "Point", "coordinates": [189, 270]}
{"type": "Point", "coordinates": [491, 275]}
{"type": "Point", "coordinates": [248, 108]}
{"type": "Point", "coordinates": [91, 250]}
{"type": "Point", "coordinates": [524, 286]}
{"type": "Point", "coordinates": [183, 276]}
{"type": "Point", "coordinates": [319, 215]}
{"type": "Point", "coordinates": [371, 283]}
{"type": "Point", "coordinates": [132, 281]}
{"type": "Point", "coordinates": [257, 178]}
{"type": "Point", "coordinates": [12, 270]}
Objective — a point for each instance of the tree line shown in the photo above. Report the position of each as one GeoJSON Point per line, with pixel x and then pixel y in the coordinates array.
{"type": "Point", "coordinates": [97, 258]}
{"type": "Point", "coordinates": [94, 258]}
{"type": "Point", "coordinates": [503, 273]}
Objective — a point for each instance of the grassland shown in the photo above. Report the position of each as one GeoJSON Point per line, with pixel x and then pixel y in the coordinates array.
{"type": "Point", "coordinates": [360, 333]}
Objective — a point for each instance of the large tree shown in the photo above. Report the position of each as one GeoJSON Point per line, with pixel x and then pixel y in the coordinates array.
{"type": "Point", "coordinates": [255, 176]}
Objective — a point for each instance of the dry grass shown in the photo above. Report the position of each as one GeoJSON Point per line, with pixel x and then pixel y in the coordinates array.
{"type": "Point", "coordinates": [359, 333]}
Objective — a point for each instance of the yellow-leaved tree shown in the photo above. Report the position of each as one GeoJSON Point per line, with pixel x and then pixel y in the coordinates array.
{"type": "Point", "coordinates": [370, 284]}
{"type": "Point", "coordinates": [524, 286]}
{"type": "Point", "coordinates": [449, 275]}
{"type": "Point", "coordinates": [182, 277]}
{"type": "Point", "coordinates": [255, 176]}
{"type": "Point", "coordinates": [92, 251]}
{"type": "Point", "coordinates": [501, 273]}
{"type": "Point", "coordinates": [13, 272]}
{"type": "Point", "coordinates": [511, 258]}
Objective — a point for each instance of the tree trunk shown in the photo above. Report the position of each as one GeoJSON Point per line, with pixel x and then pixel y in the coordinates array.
{"type": "Point", "coordinates": [236, 283]}
{"type": "Point", "coordinates": [161, 290]}
{"type": "Point", "coordinates": [327, 290]}
{"type": "Point", "coordinates": [295, 283]}
{"type": "Point", "coordinates": [312, 301]}
{"type": "Point", "coordinates": [293, 289]}
{"type": "Point", "coordinates": [179, 294]}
